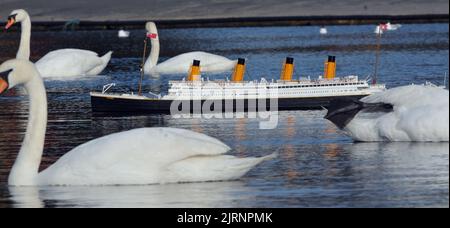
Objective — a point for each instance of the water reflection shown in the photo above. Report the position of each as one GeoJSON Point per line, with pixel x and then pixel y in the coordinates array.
{"type": "Point", "coordinates": [358, 175]}
{"type": "Point", "coordinates": [288, 152]}
{"type": "Point", "coordinates": [221, 194]}
{"type": "Point", "coordinates": [25, 197]}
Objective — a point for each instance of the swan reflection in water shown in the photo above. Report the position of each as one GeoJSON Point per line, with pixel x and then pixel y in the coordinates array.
{"type": "Point", "coordinates": [211, 194]}
{"type": "Point", "coordinates": [370, 170]}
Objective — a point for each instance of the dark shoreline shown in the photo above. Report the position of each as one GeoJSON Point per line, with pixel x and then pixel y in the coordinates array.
{"type": "Point", "coordinates": [246, 22]}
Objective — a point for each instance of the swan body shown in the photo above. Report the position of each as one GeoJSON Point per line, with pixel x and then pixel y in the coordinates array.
{"type": "Point", "coordinates": [176, 156]}
{"type": "Point", "coordinates": [417, 113]}
{"type": "Point", "coordinates": [123, 34]}
{"type": "Point", "coordinates": [140, 156]}
{"type": "Point", "coordinates": [59, 63]}
{"type": "Point", "coordinates": [72, 62]}
{"type": "Point", "coordinates": [181, 64]}
{"type": "Point", "coordinates": [392, 27]}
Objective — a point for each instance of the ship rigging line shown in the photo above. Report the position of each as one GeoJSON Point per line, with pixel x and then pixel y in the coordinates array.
{"type": "Point", "coordinates": [377, 57]}
{"type": "Point", "coordinates": [142, 66]}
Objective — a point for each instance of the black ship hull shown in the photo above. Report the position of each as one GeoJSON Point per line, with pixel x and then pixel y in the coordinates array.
{"type": "Point", "coordinates": [124, 106]}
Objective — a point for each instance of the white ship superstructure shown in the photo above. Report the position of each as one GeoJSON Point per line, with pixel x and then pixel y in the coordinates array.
{"type": "Point", "coordinates": [218, 90]}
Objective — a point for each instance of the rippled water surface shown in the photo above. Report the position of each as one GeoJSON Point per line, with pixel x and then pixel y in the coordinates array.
{"type": "Point", "coordinates": [318, 165]}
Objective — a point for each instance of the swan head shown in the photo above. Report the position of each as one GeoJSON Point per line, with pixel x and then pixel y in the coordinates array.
{"type": "Point", "coordinates": [16, 16]}
{"type": "Point", "coordinates": [15, 72]}
{"type": "Point", "coordinates": [152, 31]}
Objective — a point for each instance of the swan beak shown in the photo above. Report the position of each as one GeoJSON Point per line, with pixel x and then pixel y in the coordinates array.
{"type": "Point", "coordinates": [3, 85]}
{"type": "Point", "coordinates": [11, 22]}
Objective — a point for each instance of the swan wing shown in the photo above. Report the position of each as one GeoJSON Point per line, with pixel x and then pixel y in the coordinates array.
{"type": "Point", "coordinates": [212, 168]}
{"type": "Point", "coordinates": [67, 63]}
{"type": "Point", "coordinates": [139, 156]}
{"type": "Point", "coordinates": [99, 68]}
{"type": "Point", "coordinates": [420, 114]}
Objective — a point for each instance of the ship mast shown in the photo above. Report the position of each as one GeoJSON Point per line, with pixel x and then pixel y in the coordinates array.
{"type": "Point", "coordinates": [142, 67]}
{"type": "Point", "coordinates": [377, 55]}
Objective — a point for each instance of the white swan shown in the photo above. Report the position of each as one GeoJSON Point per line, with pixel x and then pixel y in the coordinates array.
{"type": "Point", "coordinates": [182, 63]}
{"type": "Point", "coordinates": [140, 156]}
{"type": "Point", "coordinates": [123, 34]}
{"type": "Point", "coordinates": [392, 27]}
{"type": "Point", "coordinates": [415, 113]}
{"type": "Point", "coordinates": [379, 29]}
{"type": "Point", "coordinates": [59, 63]}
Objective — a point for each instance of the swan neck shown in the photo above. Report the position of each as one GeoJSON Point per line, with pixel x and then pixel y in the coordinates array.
{"type": "Point", "coordinates": [24, 48]}
{"type": "Point", "coordinates": [26, 167]}
{"type": "Point", "coordinates": [154, 55]}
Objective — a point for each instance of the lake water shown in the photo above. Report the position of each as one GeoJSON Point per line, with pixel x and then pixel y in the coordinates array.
{"type": "Point", "coordinates": [318, 165]}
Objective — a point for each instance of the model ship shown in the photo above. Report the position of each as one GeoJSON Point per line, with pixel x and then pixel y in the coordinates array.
{"type": "Point", "coordinates": [195, 94]}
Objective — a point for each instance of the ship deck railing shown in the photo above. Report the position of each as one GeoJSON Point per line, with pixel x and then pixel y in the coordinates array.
{"type": "Point", "coordinates": [132, 95]}
{"type": "Point", "coordinates": [335, 81]}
